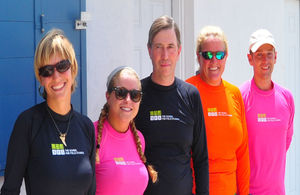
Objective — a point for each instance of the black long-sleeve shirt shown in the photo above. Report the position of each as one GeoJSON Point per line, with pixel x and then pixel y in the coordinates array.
{"type": "Point", "coordinates": [172, 122]}
{"type": "Point", "coordinates": [36, 153]}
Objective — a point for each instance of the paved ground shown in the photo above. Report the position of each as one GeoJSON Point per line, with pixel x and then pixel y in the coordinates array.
{"type": "Point", "coordinates": [22, 188]}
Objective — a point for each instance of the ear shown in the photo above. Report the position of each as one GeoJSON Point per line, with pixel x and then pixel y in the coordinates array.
{"type": "Point", "coordinates": [275, 57]}
{"type": "Point", "coordinates": [107, 95]}
{"type": "Point", "coordinates": [42, 81]}
{"type": "Point", "coordinates": [198, 57]}
{"type": "Point", "coordinates": [250, 59]}
{"type": "Point", "coordinates": [225, 57]}
{"type": "Point", "coordinates": [178, 53]}
{"type": "Point", "coordinates": [149, 51]}
{"type": "Point", "coordinates": [179, 50]}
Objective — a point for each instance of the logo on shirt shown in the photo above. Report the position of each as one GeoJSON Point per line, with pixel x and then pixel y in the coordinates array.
{"type": "Point", "coordinates": [121, 161]}
{"type": "Point", "coordinates": [156, 115]}
{"type": "Point", "coordinates": [58, 149]}
{"type": "Point", "coordinates": [262, 117]}
{"type": "Point", "coordinates": [214, 112]}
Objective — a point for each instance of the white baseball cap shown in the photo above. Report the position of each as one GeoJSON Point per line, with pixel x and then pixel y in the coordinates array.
{"type": "Point", "coordinates": [260, 37]}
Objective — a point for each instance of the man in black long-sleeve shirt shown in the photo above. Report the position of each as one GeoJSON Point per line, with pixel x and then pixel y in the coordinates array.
{"type": "Point", "coordinates": [171, 118]}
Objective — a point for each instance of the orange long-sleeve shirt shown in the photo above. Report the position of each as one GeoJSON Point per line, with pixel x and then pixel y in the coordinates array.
{"type": "Point", "coordinates": [227, 138]}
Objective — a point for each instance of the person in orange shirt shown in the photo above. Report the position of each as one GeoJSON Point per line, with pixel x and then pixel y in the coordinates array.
{"type": "Point", "coordinates": [224, 114]}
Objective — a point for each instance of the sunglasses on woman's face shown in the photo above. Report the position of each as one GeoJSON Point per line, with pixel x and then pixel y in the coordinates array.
{"type": "Point", "coordinates": [48, 70]}
{"type": "Point", "coordinates": [121, 94]}
{"type": "Point", "coordinates": [208, 55]}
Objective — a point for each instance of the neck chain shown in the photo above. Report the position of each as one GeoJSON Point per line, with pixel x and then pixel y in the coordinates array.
{"type": "Point", "coordinates": [62, 136]}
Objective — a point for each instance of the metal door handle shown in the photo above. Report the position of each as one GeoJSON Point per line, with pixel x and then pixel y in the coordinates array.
{"type": "Point", "coordinates": [42, 23]}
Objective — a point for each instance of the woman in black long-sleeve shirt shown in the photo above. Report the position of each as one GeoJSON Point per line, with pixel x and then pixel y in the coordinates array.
{"type": "Point", "coordinates": [52, 146]}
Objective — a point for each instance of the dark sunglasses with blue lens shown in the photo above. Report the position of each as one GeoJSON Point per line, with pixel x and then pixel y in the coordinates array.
{"type": "Point", "coordinates": [48, 70]}
{"type": "Point", "coordinates": [208, 55]}
{"type": "Point", "coordinates": [121, 94]}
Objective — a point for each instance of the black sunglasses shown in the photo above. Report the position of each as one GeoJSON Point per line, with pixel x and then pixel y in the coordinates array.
{"type": "Point", "coordinates": [48, 70]}
{"type": "Point", "coordinates": [208, 55]}
{"type": "Point", "coordinates": [121, 93]}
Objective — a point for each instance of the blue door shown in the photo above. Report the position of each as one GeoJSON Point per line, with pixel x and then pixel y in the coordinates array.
{"type": "Point", "coordinates": [23, 24]}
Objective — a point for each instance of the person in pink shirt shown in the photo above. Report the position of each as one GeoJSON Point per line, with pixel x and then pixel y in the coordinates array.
{"type": "Point", "coordinates": [269, 114]}
{"type": "Point", "coordinates": [121, 167]}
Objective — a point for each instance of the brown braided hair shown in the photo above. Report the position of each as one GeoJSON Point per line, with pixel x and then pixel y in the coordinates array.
{"type": "Point", "coordinates": [104, 115]}
{"type": "Point", "coordinates": [151, 171]}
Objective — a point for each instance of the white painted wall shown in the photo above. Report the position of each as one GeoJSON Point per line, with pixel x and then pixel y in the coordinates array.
{"type": "Point", "coordinates": [109, 38]}
{"type": "Point", "coordinates": [292, 80]}
{"type": "Point", "coordinates": [117, 35]}
{"type": "Point", "coordinates": [239, 19]}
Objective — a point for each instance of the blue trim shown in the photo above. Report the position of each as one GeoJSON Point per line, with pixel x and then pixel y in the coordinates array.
{"type": "Point", "coordinates": [83, 65]}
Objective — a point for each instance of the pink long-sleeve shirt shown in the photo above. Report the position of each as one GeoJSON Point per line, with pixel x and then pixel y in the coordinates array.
{"type": "Point", "coordinates": [269, 116]}
{"type": "Point", "coordinates": [120, 170]}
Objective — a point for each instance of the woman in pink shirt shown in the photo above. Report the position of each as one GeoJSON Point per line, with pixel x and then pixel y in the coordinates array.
{"type": "Point", "coordinates": [120, 162]}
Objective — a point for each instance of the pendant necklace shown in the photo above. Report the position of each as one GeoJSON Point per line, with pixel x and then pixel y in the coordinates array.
{"type": "Point", "coordinates": [62, 136]}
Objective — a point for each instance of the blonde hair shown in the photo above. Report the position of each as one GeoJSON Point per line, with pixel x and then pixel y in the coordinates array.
{"type": "Point", "coordinates": [55, 43]}
{"type": "Point", "coordinates": [209, 31]}
{"type": "Point", "coordinates": [112, 78]}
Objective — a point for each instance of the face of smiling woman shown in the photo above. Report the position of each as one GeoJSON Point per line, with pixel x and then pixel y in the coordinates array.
{"type": "Point", "coordinates": [58, 86]}
{"type": "Point", "coordinates": [121, 112]}
{"type": "Point", "coordinates": [211, 70]}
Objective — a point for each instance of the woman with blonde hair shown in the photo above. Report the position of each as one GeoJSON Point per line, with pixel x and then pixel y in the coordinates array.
{"type": "Point", "coordinates": [224, 115]}
{"type": "Point", "coordinates": [52, 146]}
{"type": "Point", "coordinates": [121, 166]}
